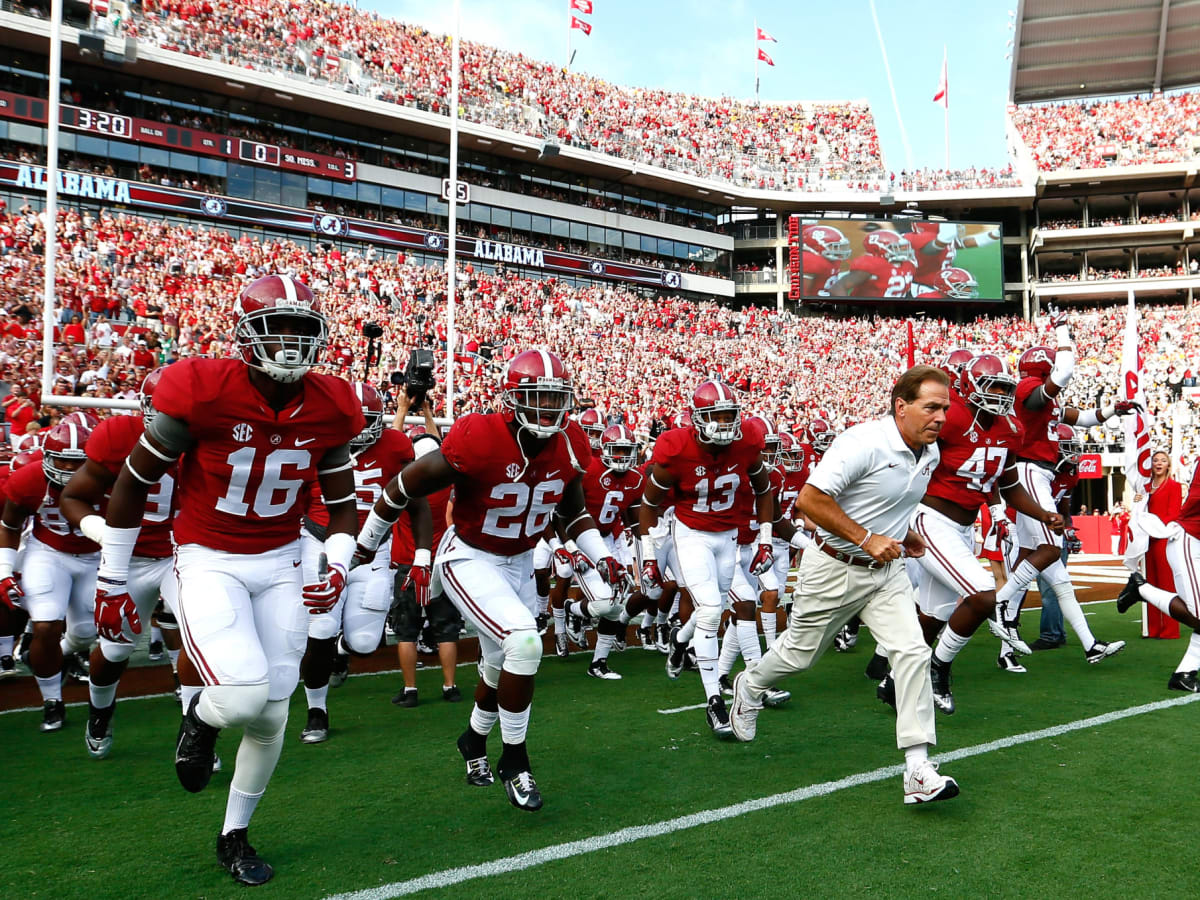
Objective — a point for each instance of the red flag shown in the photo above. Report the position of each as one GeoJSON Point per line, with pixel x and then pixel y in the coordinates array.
{"type": "Point", "coordinates": [763, 56]}
{"type": "Point", "coordinates": [760, 35]}
{"type": "Point", "coordinates": [581, 25]}
{"type": "Point", "coordinates": [912, 350]}
{"type": "Point", "coordinates": [943, 92]}
{"type": "Point", "coordinates": [584, 6]}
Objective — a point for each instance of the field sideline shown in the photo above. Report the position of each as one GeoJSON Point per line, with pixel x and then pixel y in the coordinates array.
{"type": "Point", "coordinates": [1069, 788]}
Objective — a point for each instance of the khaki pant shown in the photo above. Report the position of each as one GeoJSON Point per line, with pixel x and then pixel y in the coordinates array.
{"type": "Point", "coordinates": [831, 594]}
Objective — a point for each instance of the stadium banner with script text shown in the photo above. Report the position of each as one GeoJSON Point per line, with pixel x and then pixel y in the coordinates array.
{"type": "Point", "coordinates": [911, 261]}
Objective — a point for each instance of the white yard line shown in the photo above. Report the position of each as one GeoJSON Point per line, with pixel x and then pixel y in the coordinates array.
{"type": "Point", "coordinates": [520, 861]}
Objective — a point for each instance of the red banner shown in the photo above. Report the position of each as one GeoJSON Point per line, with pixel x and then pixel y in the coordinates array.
{"type": "Point", "coordinates": [762, 54]}
{"type": "Point", "coordinates": [581, 25]}
{"type": "Point", "coordinates": [584, 6]}
{"type": "Point", "coordinates": [760, 35]}
{"type": "Point", "coordinates": [1089, 466]}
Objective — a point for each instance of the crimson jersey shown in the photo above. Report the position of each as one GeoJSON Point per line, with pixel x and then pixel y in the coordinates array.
{"type": "Point", "coordinates": [708, 477]}
{"type": "Point", "coordinates": [109, 445]}
{"type": "Point", "coordinates": [928, 266]}
{"type": "Point", "coordinates": [972, 457]}
{"type": "Point", "coordinates": [748, 530]}
{"type": "Point", "coordinates": [1189, 513]}
{"type": "Point", "coordinates": [403, 545]}
{"type": "Point", "coordinates": [608, 494]}
{"type": "Point", "coordinates": [28, 488]}
{"type": "Point", "coordinates": [373, 468]}
{"type": "Point", "coordinates": [1039, 439]}
{"type": "Point", "coordinates": [1063, 483]}
{"type": "Point", "coordinates": [823, 272]}
{"type": "Point", "coordinates": [887, 279]}
{"type": "Point", "coordinates": [790, 492]}
{"type": "Point", "coordinates": [503, 501]}
{"type": "Point", "coordinates": [242, 485]}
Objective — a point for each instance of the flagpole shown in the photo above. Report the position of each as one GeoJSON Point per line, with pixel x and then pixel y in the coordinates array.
{"type": "Point", "coordinates": [569, 30]}
{"type": "Point", "coordinates": [452, 214]}
{"type": "Point", "coordinates": [756, 61]}
{"type": "Point", "coordinates": [946, 102]}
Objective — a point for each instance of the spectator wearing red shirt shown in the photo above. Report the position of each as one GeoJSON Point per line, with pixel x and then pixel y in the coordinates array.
{"type": "Point", "coordinates": [1165, 501]}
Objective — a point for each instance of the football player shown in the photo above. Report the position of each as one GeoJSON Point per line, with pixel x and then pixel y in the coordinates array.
{"type": "Point", "coordinates": [886, 269]}
{"type": "Point", "coordinates": [977, 460]}
{"type": "Point", "coordinates": [706, 466]}
{"type": "Point", "coordinates": [1044, 373]}
{"type": "Point", "coordinates": [950, 283]}
{"type": "Point", "coordinates": [151, 571]}
{"type": "Point", "coordinates": [511, 471]}
{"type": "Point", "coordinates": [378, 455]}
{"type": "Point", "coordinates": [58, 577]}
{"type": "Point", "coordinates": [935, 245]}
{"type": "Point", "coordinates": [591, 420]}
{"type": "Point", "coordinates": [825, 249]}
{"type": "Point", "coordinates": [252, 433]}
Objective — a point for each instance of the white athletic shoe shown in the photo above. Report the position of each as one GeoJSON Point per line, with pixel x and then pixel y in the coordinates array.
{"type": "Point", "coordinates": [743, 710]}
{"type": "Point", "coordinates": [1007, 660]}
{"type": "Point", "coordinates": [925, 785]}
{"type": "Point", "coordinates": [1008, 633]}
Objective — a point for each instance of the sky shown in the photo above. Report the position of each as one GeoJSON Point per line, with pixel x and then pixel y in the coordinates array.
{"type": "Point", "coordinates": [825, 51]}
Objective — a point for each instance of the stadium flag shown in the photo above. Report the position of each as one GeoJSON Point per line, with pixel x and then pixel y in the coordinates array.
{"type": "Point", "coordinates": [943, 92]}
{"type": "Point", "coordinates": [581, 25]}
{"type": "Point", "coordinates": [100, 8]}
{"type": "Point", "coordinates": [911, 357]}
{"type": "Point", "coordinates": [762, 55]}
{"type": "Point", "coordinates": [760, 35]}
{"type": "Point", "coordinates": [584, 6]}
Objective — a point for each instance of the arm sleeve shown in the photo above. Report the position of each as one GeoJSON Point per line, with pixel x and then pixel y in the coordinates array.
{"type": "Point", "coordinates": [170, 433]}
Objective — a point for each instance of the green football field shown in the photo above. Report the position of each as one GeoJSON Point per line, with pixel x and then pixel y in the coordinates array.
{"type": "Point", "coordinates": [985, 264]}
{"type": "Point", "coordinates": [1076, 781]}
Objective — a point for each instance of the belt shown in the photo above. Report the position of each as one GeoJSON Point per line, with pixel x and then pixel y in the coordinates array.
{"type": "Point", "coordinates": [1040, 463]}
{"type": "Point", "coordinates": [849, 558]}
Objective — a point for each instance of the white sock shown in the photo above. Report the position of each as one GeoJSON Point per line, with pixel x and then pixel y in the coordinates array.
{"type": "Point", "coordinates": [1157, 597]}
{"type": "Point", "coordinates": [51, 687]}
{"type": "Point", "coordinates": [238, 809]}
{"type": "Point", "coordinates": [747, 632]}
{"type": "Point", "coordinates": [1073, 613]}
{"type": "Point", "coordinates": [730, 648]}
{"type": "Point", "coordinates": [1191, 658]}
{"type": "Point", "coordinates": [914, 756]}
{"type": "Point", "coordinates": [513, 725]}
{"type": "Point", "coordinates": [186, 693]}
{"type": "Point", "coordinates": [173, 655]}
{"type": "Point", "coordinates": [483, 720]}
{"type": "Point", "coordinates": [770, 627]}
{"type": "Point", "coordinates": [317, 697]}
{"type": "Point", "coordinates": [104, 696]}
{"type": "Point", "coordinates": [604, 645]}
{"type": "Point", "coordinates": [155, 633]}
{"type": "Point", "coordinates": [560, 621]}
{"type": "Point", "coordinates": [661, 618]}
{"type": "Point", "coordinates": [543, 600]}
{"type": "Point", "coordinates": [949, 645]}
{"type": "Point", "coordinates": [258, 752]}
{"type": "Point", "coordinates": [687, 630]}
{"type": "Point", "coordinates": [705, 645]}
{"type": "Point", "coordinates": [1008, 598]}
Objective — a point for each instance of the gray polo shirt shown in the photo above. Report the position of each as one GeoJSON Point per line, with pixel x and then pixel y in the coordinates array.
{"type": "Point", "coordinates": [875, 478]}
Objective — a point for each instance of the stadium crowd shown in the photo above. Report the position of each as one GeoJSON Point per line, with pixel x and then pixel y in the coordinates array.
{"type": "Point", "coordinates": [138, 291]}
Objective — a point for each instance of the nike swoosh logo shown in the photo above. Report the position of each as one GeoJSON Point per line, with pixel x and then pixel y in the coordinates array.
{"type": "Point", "coordinates": [295, 564]}
{"type": "Point", "coordinates": [893, 465]}
{"type": "Point", "coordinates": [300, 443]}
{"type": "Point", "coordinates": [552, 474]}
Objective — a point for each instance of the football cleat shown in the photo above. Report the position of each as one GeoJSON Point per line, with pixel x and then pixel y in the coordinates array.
{"type": "Point", "coordinates": [575, 630]}
{"type": "Point", "coordinates": [620, 642]}
{"type": "Point", "coordinates": [243, 862]}
{"type": "Point", "coordinates": [1129, 594]}
{"type": "Point", "coordinates": [1184, 681]}
{"type": "Point", "coordinates": [98, 736]}
{"type": "Point", "coordinates": [479, 773]}
{"type": "Point", "coordinates": [1100, 650]}
{"type": "Point", "coordinates": [178, 688]}
{"type": "Point", "coordinates": [676, 656]}
{"type": "Point", "coordinates": [845, 640]}
{"type": "Point", "coordinates": [316, 729]}
{"type": "Point", "coordinates": [406, 697]}
{"type": "Point", "coordinates": [341, 669]}
{"type": "Point", "coordinates": [877, 668]}
{"type": "Point", "coordinates": [1007, 632]}
{"type": "Point", "coordinates": [1007, 660]}
{"type": "Point", "coordinates": [718, 717]}
{"type": "Point", "coordinates": [775, 698]}
{"type": "Point", "coordinates": [75, 667]}
{"type": "Point", "coordinates": [194, 750]}
{"type": "Point", "coordinates": [689, 660]}
{"type": "Point", "coordinates": [216, 763]}
{"type": "Point", "coordinates": [560, 646]}
{"type": "Point", "coordinates": [939, 676]}
{"type": "Point", "coordinates": [451, 694]}
{"type": "Point", "coordinates": [646, 636]}
{"type": "Point", "coordinates": [155, 651]}
{"type": "Point", "coordinates": [886, 691]}
{"type": "Point", "coordinates": [663, 643]}
{"type": "Point", "coordinates": [54, 715]}
{"type": "Point", "coordinates": [523, 791]}
{"type": "Point", "coordinates": [599, 669]}
{"type": "Point", "coordinates": [743, 714]}
{"type": "Point", "coordinates": [23, 646]}
{"type": "Point", "coordinates": [8, 667]}
{"type": "Point", "coordinates": [924, 784]}
{"type": "Point", "coordinates": [726, 686]}
{"type": "Point", "coordinates": [542, 621]}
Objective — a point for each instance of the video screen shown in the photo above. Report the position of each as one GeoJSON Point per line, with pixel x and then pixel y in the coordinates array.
{"type": "Point", "coordinates": [844, 260]}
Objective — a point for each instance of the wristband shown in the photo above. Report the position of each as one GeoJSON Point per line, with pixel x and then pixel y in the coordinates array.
{"type": "Point", "coordinates": [116, 547]}
{"type": "Point", "coordinates": [8, 559]}
{"type": "Point", "coordinates": [374, 530]}
{"type": "Point", "coordinates": [421, 557]}
{"type": "Point", "coordinates": [800, 540]}
{"type": "Point", "coordinates": [647, 544]}
{"type": "Point", "coordinates": [863, 542]}
{"type": "Point", "coordinates": [764, 533]}
{"type": "Point", "coordinates": [1062, 333]}
{"type": "Point", "coordinates": [591, 544]}
{"type": "Point", "coordinates": [92, 527]}
{"type": "Point", "coordinates": [339, 550]}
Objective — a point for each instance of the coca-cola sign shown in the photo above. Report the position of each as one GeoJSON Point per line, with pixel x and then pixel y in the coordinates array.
{"type": "Point", "coordinates": [1089, 466]}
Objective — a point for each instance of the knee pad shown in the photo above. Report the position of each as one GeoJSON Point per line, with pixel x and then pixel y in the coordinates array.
{"type": "Point", "coordinates": [707, 617]}
{"type": "Point", "coordinates": [76, 639]}
{"type": "Point", "coordinates": [1056, 573]}
{"type": "Point", "coordinates": [269, 726]}
{"type": "Point", "coordinates": [326, 626]}
{"type": "Point", "coordinates": [489, 673]}
{"type": "Point", "coordinates": [232, 705]}
{"type": "Point", "coordinates": [115, 652]}
{"type": "Point", "coordinates": [362, 639]}
{"type": "Point", "coordinates": [522, 652]}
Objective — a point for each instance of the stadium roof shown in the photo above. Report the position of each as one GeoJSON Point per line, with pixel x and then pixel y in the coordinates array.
{"type": "Point", "coordinates": [1093, 48]}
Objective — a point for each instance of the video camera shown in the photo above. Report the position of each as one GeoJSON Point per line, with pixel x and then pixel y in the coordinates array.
{"type": "Point", "coordinates": [417, 376]}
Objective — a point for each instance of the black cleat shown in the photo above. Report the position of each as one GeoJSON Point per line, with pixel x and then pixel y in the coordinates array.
{"type": "Point", "coordinates": [99, 732]}
{"type": "Point", "coordinates": [340, 671]}
{"type": "Point", "coordinates": [316, 729]}
{"type": "Point", "coordinates": [1129, 594]}
{"type": "Point", "coordinates": [451, 694]}
{"type": "Point", "coordinates": [155, 651]}
{"type": "Point", "coordinates": [54, 715]}
{"type": "Point", "coordinates": [939, 676]}
{"type": "Point", "coordinates": [543, 622]}
{"type": "Point", "coordinates": [479, 773]}
{"type": "Point", "coordinates": [1102, 650]}
{"type": "Point", "coordinates": [676, 657]}
{"type": "Point", "coordinates": [194, 750]}
{"type": "Point", "coordinates": [244, 864]}
{"type": "Point", "coordinates": [886, 691]}
{"type": "Point", "coordinates": [877, 668]}
{"type": "Point", "coordinates": [718, 717]}
{"type": "Point", "coordinates": [599, 669]}
{"type": "Point", "coordinates": [8, 667]}
{"type": "Point", "coordinates": [523, 791]}
{"type": "Point", "coordinates": [726, 684]}
{"type": "Point", "coordinates": [75, 667]}
{"type": "Point", "coordinates": [1184, 681]}
{"type": "Point", "coordinates": [406, 697]}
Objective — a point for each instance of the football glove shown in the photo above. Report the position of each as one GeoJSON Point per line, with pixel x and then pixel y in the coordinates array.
{"type": "Point", "coordinates": [651, 575]}
{"type": "Point", "coordinates": [323, 596]}
{"type": "Point", "coordinates": [114, 607]}
{"type": "Point", "coordinates": [1125, 407]}
{"type": "Point", "coordinates": [417, 580]}
{"type": "Point", "coordinates": [611, 571]}
{"type": "Point", "coordinates": [10, 591]}
{"type": "Point", "coordinates": [763, 557]}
